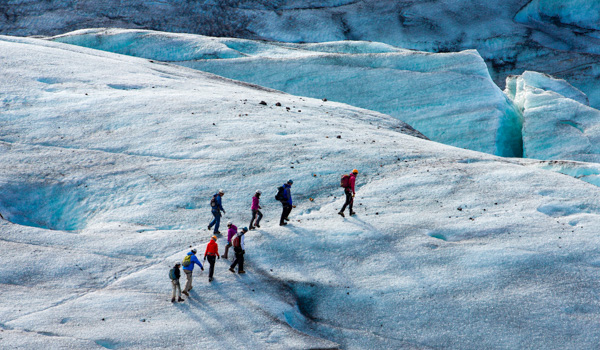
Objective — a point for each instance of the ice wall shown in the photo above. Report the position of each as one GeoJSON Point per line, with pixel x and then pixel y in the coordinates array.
{"type": "Point", "coordinates": [557, 123]}
{"type": "Point", "coordinates": [449, 97]}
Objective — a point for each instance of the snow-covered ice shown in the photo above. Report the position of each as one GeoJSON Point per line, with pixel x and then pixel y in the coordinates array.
{"type": "Point", "coordinates": [449, 97]}
{"type": "Point", "coordinates": [109, 163]}
{"type": "Point", "coordinates": [557, 122]}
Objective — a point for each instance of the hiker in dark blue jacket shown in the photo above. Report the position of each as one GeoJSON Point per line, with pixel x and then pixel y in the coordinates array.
{"type": "Point", "coordinates": [286, 202]}
{"type": "Point", "coordinates": [189, 269]}
{"type": "Point", "coordinates": [216, 208]}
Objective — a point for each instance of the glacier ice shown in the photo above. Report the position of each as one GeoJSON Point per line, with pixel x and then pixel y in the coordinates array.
{"type": "Point", "coordinates": [448, 97]}
{"type": "Point", "coordinates": [515, 267]}
{"type": "Point", "coordinates": [557, 122]}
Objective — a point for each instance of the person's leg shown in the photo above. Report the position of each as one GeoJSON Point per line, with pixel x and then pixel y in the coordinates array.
{"type": "Point", "coordinates": [241, 263]}
{"type": "Point", "coordinates": [178, 287]}
{"type": "Point", "coordinates": [218, 222]}
{"type": "Point", "coordinates": [214, 220]}
{"type": "Point", "coordinates": [188, 283]}
{"type": "Point", "coordinates": [174, 284]}
{"type": "Point", "coordinates": [226, 250]}
{"type": "Point", "coordinates": [260, 215]}
{"type": "Point", "coordinates": [235, 262]}
{"type": "Point", "coordinates": [283, 211]}
{"type": "Point", "coordinates": [211, 261]}
{"type": "Point", "coordinates": [288, 211]}
{"type": "Point", "coordinates": [348, 200]}
{"type": "Point", "coordinates": [252, 220]}
{"type": "Point", "coordinates": [351, 203]}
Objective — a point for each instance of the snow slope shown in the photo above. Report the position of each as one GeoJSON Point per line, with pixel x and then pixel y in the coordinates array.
{"type": "Point", "coordinates": [557, 122]}
{"type": "Point", "coordinates": [555, 37]}
{"type": "Point", "coordinates": [449, 97]}
{"type": "Point", "coordinates": [108, 165]}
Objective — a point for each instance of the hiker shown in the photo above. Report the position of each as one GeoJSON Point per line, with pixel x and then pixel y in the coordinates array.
{"type": "Point", "coordinates": [238, 248]}
{"type": "Point", "coordinates": [286, 201]}
{"type": "Point", "coordinates": [216, 208]}
{"type": "Point", "coordinates": [255, 210]}
{"type": "Point", "coordinates": [174, 273]}
{"type": "Point", "coordinates": [188, 267]}
{"type": "Point", "coordinates": [348, 182]}
{"type": "Point", "coordinates": [212, 250]}
{"type": "Point", "coordinates": [231, 231]}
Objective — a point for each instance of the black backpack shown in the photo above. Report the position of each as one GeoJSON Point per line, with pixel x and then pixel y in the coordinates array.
{"type": "Point", "coordinates": [213, 202]}
{"type": "Point", "coordinates": [279, 195]}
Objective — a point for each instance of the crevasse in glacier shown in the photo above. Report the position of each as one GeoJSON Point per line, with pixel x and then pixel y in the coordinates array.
{"type": "Point", "coordinates": [557, 123]}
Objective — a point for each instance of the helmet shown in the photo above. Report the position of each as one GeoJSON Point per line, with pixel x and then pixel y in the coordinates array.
{"type": "Point", "coordinates": [221, 191]}
{"type": "Point", "coordinates": [229, 223]}
{"type": "Point", "coordinates": [214, 237]}
{"type": "Point", "coordinates": [194, 250]}
{"type": "Point", "coordinates": [355, 171]}
{"type": "Point", "coordinates": [244, 229]}
{"type": "Point", "coordinates": [290, 181]}
{"type": "Point", "coordinates": [177, 263]}
{"type": "Point", "coordinates": [258, 192]}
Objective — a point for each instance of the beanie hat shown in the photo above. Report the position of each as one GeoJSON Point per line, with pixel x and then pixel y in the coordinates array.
{"type": "Point", "coordinates": [290, 181]}
{"type": "Point", "coordinates": [229, 223]}
{"type": "Point", "coordinates": [221, 191]}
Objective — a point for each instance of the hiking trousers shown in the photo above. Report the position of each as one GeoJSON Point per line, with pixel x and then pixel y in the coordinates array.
{"type": "Point", "coordinates": [239, 261]}
{"type": "Point", "coordinates": [188, 283]}
{"type": "Point", "coordinates": [287, 209]}
{"type": "Point", "coordinates": [227, 249]}
{"type": "Point", "coordinates": [211, 261]}
{"type": "Point", "coordinates": [254, 214]}
{"type": "Point", "coordinates": [349, 200]}
{"type": "Point", "coordinates": [176, 288]}
{"type": "Point", "coordinates": [216, 221]}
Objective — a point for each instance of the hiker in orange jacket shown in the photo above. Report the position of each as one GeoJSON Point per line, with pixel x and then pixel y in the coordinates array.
{"type": "Point", "coordinates": [212, 251]}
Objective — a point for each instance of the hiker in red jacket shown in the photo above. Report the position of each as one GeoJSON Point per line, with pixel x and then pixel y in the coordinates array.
{"type": "Point", "coordinates": [212, 250]}
{"type": "Point", "coordinates": [239, 249]}
{"type": "Point", "coordinates": [349, 191]}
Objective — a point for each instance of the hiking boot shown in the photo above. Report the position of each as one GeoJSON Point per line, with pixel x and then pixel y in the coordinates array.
{"type": "Point", "coordinates": [282, 223]}
{"type": "Point", "coordinates": [352, 213]}
{"type": "Point", "coordinates": [251, 228]}
{"type": "Point", "coordinates": [172, 300]}
{"type": "Point", "coordinates": [224, 256]}
{"type": "Point", "coordinates": [241, 272]}
{"type": "Point", "coordinates": [257, 225]}
{"type": "Point", "coordinates": [287, 219]}
{"type": "Point", "coordinates": [209, 228]}
{"type": "Point", "coordinates": [342, 214]}
{"type": "Point", "coordinates": [231, 269]}
{"type": "Point", "coordinates": [210, 279]}
{"type": "Point", "coordinates": [186, 293]}
{"type": "Point", "coordinates": [180, 299]}
{"type": "Point", "coordinates": [217, 232]}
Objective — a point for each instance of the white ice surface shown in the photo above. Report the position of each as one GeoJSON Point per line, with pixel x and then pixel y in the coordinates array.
{"type": "Point", "coordinates": [449, 97]}
{"type": "Point", "coordinates": [557, 123]}
{"type": "Point", "coordinates": [108, 163]}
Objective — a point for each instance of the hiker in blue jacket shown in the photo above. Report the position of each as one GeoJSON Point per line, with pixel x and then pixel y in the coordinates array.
{"type": "Point", "coordinates": [286, 202]}
{"type": "Point", "coordinates": [216, 208]}
{"type": "Point", "coordinates": [189, 269]}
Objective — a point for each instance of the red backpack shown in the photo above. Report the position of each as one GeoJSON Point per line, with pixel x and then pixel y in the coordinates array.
{"type": "Point", "coordinates": [345, 181]}
{"type": "Point", "coordinates": [237, 244]}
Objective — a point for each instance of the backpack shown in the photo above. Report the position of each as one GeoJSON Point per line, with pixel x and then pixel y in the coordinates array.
{"type": "Point", "coordinates": [187, 261]}
{"type": "Point", "coordinates": [237, 244]}
{"type": "Point", "coordinates": [172, 274]}
{"type": "Point", "coordinates": [213, 202]}
{"type": "Point", "coordinates": [345, 181]}
{"type": "Point", "coordinates": [279, 195]}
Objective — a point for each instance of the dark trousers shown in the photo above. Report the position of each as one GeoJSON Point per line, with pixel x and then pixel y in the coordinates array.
{"type": "Point", "coordinates": [211, 261]}
{"type": "Point", "coordinates": [254, 214]}
{"type": "Point", "coordinates": [239, 261]}
{"type": "Point", "coordinates": [349, 200]}
{"type": "Point", "coordinates": [287, 209]}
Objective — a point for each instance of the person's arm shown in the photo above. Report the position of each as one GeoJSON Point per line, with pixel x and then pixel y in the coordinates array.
{"type": "Point", "coordinates": [352, 183]}
{"type": "Point", "coordinates": [242, 240]}
{"type": "Point", "coordinates": [195, 260]}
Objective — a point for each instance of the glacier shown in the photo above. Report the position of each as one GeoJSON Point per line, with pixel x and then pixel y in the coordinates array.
{"type": "Point", "coordinates": [557, 121]}
{"type": "Point", "coordinates": [109, 162]}
{"type": "Point", "coordinates": [553, 37]}
{"type": "Point", "coordinates": [449, 97]}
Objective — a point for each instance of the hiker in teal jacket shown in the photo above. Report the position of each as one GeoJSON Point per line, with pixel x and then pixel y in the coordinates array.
{"type": "Point", "coordinates": [189, 269]}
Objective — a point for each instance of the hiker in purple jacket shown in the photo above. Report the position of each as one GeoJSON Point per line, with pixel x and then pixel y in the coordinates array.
{"type": "Point", "coordinates": [231, 231]}
{"type": "Point", "coordinates": [255, 210]}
